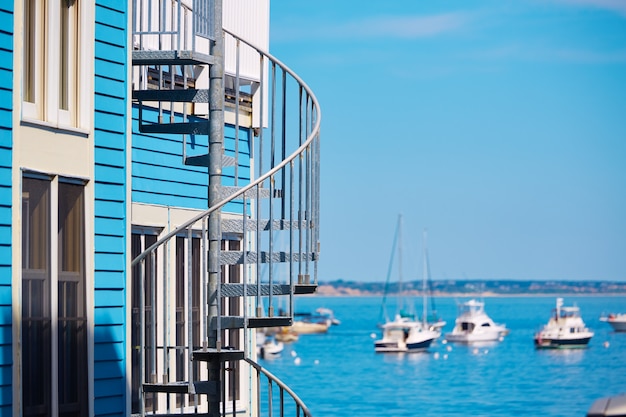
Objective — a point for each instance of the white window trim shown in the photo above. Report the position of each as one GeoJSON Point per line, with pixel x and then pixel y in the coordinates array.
{"type": "Point", "coordinates": [46, 108]}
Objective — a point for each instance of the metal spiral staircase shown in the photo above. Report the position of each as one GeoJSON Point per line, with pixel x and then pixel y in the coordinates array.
{"type": "Point", "coordinates": [263, 193]}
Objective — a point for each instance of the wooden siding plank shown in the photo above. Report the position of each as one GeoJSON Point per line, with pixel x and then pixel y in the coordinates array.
{"type": "Point", "coordinates": [105, 85]}
{"type": "Point", "coordinates": [110, 334]}
{"type": "Point", "coordinates": [112, 16]}
{"type": "Point", "coordinates": [118, 5]}
{"type": "Point", "coordinates": [111, 157]}
{"type": "Point", "coordinates": [109, 405]}
{"type": "Point", "coordinates": [5, 251]}
{"type": "Point", "coordinates": [6, 376]}
{"type": "Point", "coordinates": [116, 70]}
{"type": "Point", "coordinates": [105, 101]}
{"type": "Point", "coordinates": [110, 192]}
{"type": "Point", "coordinates": [107, 280]}
{"type": "Point", "coordinates": [6, 19]}
{"type": "Point", "coordinates": [107, 226]}
{"type": "Point", "coordinates": [109, 316]}
{"type": "Point", "coordinates": [109, 121]}
{"type": "Point", "coordinates": [112, 174]}
{"type": "Point", "coordinates": [111, 209]}
{"type": "Point", "coordinates": [109, 351]}
{"type": "Point", "coordinates": [110, 261]}
{"type": "Point", "coordinates": [5, 333]}
{"type": "Point", "coordinates": [151, 198]}
{"type": "Point", "coordinates": [168, 187]}
{"type": "Point", "coordinates": [5, 276]}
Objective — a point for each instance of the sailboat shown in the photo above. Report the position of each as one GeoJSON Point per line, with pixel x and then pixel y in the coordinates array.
{"type": "Point", "coordinates": [429, 321]}
{"type": "Point", "coordinates": [403, 333]}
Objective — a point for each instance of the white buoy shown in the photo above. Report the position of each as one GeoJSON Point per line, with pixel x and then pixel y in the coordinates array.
{"type": "Point", "coordinates": [486, 351]}
{"type": "Point", "coordinates": [293, 353]}
{"type": "Point", "coordinates": [316, 362]}
{"type": "Point", "coordinates": [444, 341]}
{"type": "Point", "coordinates": [475, 351]}
{"type": "Point", "coordinates": [297, 361]}
{"type": "Point", "coordinates": [436, 355]}
{"type": "Point", "coordinates": [373, 335]}
{"type": "Point", "coordinates": [606, 344]}
{"type": "Point", "coordinates": [449, 348]}
{"type": "Point", "coordinates": [445, 356]}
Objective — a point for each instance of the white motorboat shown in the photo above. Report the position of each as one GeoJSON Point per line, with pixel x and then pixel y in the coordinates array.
{"type": "Point", "coordinates": [268, 347]}
{"type": "Point", "coordinates": [404, 335]}
{"type": "Point", "coordinates": [474, 325]}
{"type": "Point", "coordinates": [617, 321]}
{"type": "Point", "coordinates": [565, 329]}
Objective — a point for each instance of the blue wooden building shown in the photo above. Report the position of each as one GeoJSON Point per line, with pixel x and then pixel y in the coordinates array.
{"type": "Point", "coordinates": [154, 161]}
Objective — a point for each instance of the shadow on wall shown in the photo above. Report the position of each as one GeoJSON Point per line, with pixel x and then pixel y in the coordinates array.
{"type": "Point", "coordinates": [109, 377]}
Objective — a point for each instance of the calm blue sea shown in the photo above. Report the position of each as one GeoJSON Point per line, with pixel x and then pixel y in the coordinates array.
{"type": "Point", "coordinates": [340, 375]}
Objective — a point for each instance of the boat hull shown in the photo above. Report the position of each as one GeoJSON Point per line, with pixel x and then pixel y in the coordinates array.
{"type": "Point", "coordinates": [473, 337]}
{"type": "Point", "coordinates": [300, 327]}
{"type": "Point", "coordinates": [382, 346]}
{"type": "Point", "coordinates": [618, 326]}
{"type": "Point", "coordinates": [617, 322]}
{"type": "Point", "coordinates": [579, 343]}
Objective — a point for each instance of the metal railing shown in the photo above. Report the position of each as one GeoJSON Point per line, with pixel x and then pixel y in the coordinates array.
{"type": "Point", "coordinates": [275, 401]}
{"type": "Point", "coordinates": [276, 205]}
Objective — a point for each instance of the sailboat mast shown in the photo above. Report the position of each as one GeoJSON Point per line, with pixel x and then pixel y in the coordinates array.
{"type": "Point", "coordinates": [400, 306]}
{"type": "Point", "coordinates": [424, 278]}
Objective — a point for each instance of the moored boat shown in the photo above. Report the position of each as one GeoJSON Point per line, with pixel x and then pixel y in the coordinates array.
{"type": "Point", "coordinates": [404, 335]}
{"type": "Point", "coordinates": [474, 325]}
{"type": "Point", "coordinates": [267, 346]}
{"type": "Point", "coordinates": [565, 329]}
{"type": "Point", "coordinates": [308, 323]}
{"type": "Point", "coordinates": [617, 321]}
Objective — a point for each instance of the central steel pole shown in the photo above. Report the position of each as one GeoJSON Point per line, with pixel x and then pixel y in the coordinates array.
{"type": "Point", "coordinates": [216, 144]}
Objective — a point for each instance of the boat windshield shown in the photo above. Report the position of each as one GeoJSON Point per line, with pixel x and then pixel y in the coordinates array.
{"type": "Point", "coordinates": [567, 312]}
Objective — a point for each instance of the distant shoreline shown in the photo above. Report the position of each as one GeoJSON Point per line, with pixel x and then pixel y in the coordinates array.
{"type": "Point", "coordinates": [475, 288]}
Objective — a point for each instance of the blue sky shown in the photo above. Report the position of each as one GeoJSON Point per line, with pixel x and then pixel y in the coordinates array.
{"type": "Point", "coordinates": [500, 127]}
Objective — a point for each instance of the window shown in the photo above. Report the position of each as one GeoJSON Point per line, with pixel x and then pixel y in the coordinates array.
{"type": "Point", "coordinates": [140, 241]}
{"type": "Point", "coordinates": [55, 61]}
{"type": "Point", "coordinates": [54, 314]}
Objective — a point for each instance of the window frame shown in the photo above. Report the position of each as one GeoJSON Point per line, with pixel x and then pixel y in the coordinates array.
{"type": "Point", "coordinates": [45, 62]}
{"type": "Point", "coordinates": [54, 336]}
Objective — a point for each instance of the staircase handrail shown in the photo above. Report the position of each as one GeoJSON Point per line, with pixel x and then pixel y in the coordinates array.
{"type": "Point", "coordinates": [271, 377]}
{"type": "Point", "coordinates": [314, 134]}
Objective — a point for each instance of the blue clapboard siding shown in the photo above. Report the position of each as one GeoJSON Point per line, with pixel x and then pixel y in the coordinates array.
{"type": "Point", "coordinates": [160, 176]}
{"type": "Point", "coordinates": [110, 344]}
{"type": "Point", "coordinates": [6, 146]}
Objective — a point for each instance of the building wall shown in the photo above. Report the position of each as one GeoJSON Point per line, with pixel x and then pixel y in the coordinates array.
{"type": "Point", "coordinates": [6, 139]}
{"type": "Point", "coordinates": [111, 226]}
{"type": "Point", "coordinates": [159, 175]}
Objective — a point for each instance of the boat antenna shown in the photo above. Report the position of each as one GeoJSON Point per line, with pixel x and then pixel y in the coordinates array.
{"type": "Point", "coordinates": [383, 309]}
{"type": "Point", "coordinates": [400, 304]}
{"type": "Point", "coordinates": [424, 278]}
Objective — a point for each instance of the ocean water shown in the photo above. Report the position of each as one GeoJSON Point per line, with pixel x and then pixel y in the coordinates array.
{"type": "Point", "coordinates": [339, 374]}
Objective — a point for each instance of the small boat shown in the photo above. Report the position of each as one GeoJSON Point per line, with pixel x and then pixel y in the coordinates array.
{"type": "Point", "coordinates": [286, 335]}
{"type": "Point", "coordinates": [474, 325]}
{"type": "Point", "coordinates": [565, 329]}
{"type": "Point", "coordinates": [617, 321]}
{"type": "Point", "coordinates": [268, 347]}
{"type": "Point", "coordinates": [327, 312]}
{"type": "Point", "coordinates": [309, 323]}
{"type": "Point", "coordinates": [404, 335]}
